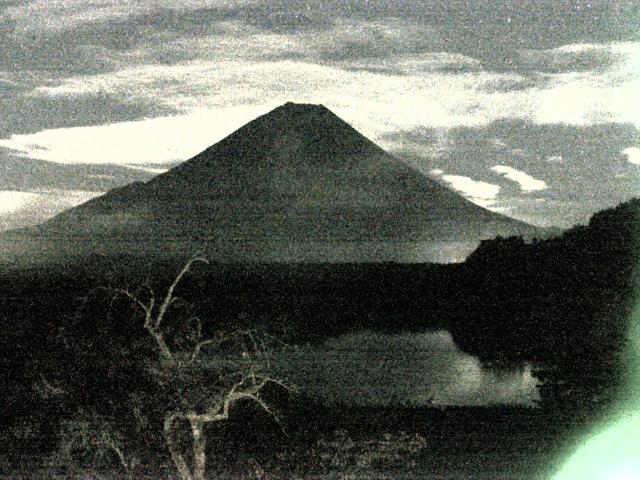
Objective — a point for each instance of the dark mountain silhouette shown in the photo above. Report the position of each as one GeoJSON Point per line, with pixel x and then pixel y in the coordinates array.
{"type": "Point", "coordinates": [297, 183]}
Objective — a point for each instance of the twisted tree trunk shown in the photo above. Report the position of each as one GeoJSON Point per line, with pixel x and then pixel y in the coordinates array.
{"type": "Point", "coordinates": [248, 387]}
{"type": "Point", "coordinates": [199, 449]}
{"type": "Point", "coordinates": [176, 456]}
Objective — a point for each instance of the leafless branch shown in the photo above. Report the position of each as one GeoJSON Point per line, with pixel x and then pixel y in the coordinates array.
{"type": "Point", "coordinates": [257, 345]}
{"type": "Point", "coordinates": [198, 347]}
{"type": "Point", "coordinates": [148, 322]}
{"type": "Point", "coordinates": [145, 308]}
{"type": "Point", "coordinates": [169, 297]}
{"type": "Point", "coordinates": [245, 375]}
{"type": "Point", "coordinates": [113, 445]}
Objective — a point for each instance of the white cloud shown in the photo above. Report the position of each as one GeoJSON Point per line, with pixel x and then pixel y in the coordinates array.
{"type": "Point", "coordinates": [498, 143]}
{"type": "Point", "coordinates": [154, 141]}
{"type": "Point", "coordinates": [632, 154]}
{"type": "Point", "coordinates": [419, 64]}
{"type": "Point", "coordinates": [246, 91]}
{"type": "Point", "coordinates": [527, 182]}
{"type": "Point", "coordinates": [20, 209]}
{"type": "Point", "coordinates": [377, 102]}
{"type": "Point", "coordinates": [217, 97]}
{"type": "Point", "coordinates": [480, 193]}
{"type": "Point", "coordinates": [437, 99]}
{"type": "Point", "coordinates": [374, 102]}
{"type": "Point", "coordinates": [11, 201]}
{"type": "Point", "coordinates": [602, 95]}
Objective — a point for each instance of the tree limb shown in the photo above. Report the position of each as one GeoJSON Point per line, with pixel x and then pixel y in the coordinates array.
{"type": "Point", "coordinates": [169, 298]}
{"type": "Point", "coordinates": [178, 460]}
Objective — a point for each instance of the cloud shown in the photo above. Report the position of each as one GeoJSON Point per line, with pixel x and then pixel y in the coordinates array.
{"type": "Point", "coordinates": [586, 99]}
{"type": "Point", "coordinates": [413, 64]}
{"type": "Point", "coordinates": [481, 193]}
{"type": "Point", "coordinates": [157, 141]}
{"type": "Point", "coordinates": [21, 209]}
{"type": "Point", "coordinates": [27, 174]}
{"type": "Point", "coordinates": [592, 174]}
{"type": "Point", "coordinates": [518, 82]}
{"type": "Point", "coordinates": [527, 182]}
{"type": "Point", "coordinates": [43, 15]}
{"type": "Point", "coordinates": [356, 39]}
{"type": "Point", "coordinates": [632, 154]}
{"type": "Point", "coordinates": [30, 111]}
{"type": "Point", "coordinates": [449, 99]}
{"type": "Point", "coordinates": [11, 201]}
{"type": "Point", "coordinates": [375, 369]}
{"type": "Point", "coordinates": [54, 55]}
{"type": "Point", "coordinates": [153, 170]}
{"type": "Point", "coordinates": [376, 103]}
{"type": "Point", "coordinates": [580, 57]}
{"type": "Point", "coordinates": [75, 35]}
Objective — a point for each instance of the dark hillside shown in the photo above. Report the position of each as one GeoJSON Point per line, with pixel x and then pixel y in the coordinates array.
{"type": "Point", "coordinates": [562, 302]}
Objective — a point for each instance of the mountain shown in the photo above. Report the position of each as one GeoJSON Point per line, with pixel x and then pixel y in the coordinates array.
{"type": "Point", "coordinates": [296, 184]}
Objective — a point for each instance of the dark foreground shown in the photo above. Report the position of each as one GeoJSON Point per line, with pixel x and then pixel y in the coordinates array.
{"type": "Point", "coordinates": [72, 352]}
{"type": "Point", "coordinates": [386, 443]}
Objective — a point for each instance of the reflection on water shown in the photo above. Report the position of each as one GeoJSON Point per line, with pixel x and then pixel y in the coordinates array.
{"type": "Point", "coordinates": [376, 369]}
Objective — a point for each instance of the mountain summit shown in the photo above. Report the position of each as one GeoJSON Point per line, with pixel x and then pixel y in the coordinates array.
{"type": "Point", "coordinates": [295, 184]}
{"type": "Point", "coordinates": [294, 140]}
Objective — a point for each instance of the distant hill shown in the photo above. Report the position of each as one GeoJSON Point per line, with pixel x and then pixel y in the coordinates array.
{"type": "Point", "coordinates": [565, 301]}
{"type": "Point", "coordinates": [296, 184]}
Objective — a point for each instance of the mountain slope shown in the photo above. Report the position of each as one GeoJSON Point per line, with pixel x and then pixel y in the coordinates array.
{"type": "Point", "coordinates": [297, 183]}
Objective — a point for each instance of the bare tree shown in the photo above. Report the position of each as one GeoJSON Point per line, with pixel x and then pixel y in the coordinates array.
{"type": "Point", "coordinates": [207, 378]}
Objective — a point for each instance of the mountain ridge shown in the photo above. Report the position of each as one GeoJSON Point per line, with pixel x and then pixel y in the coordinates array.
{"type": "Point", "coordinates": [298, 175]}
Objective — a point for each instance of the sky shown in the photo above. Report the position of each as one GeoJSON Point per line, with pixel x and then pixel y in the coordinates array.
{"type": "Point", "coordinates": [529, 108]}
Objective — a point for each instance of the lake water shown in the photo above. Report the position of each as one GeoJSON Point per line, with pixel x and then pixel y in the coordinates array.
{"type": "Point", "coordinates": [427, 368]}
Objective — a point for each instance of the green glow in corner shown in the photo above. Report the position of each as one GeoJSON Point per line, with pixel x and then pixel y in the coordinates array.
{"type": "Point", "coordinates": [614, 452]}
